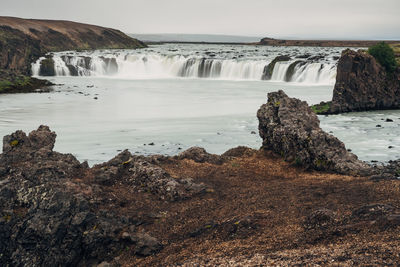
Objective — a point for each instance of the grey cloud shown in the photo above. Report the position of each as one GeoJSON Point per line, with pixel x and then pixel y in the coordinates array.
{"type": "Point", "coordinates": [284, 18]}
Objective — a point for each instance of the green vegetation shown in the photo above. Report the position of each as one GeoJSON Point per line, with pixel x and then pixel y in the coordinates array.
{"type": "Point", "coordinates": [321, 108]}
{"type": "Point", "coordinates": [5, 85]}
{"type": "Point", "coordinates": [14, 143]}
{"type": "Point", "coordinates": [12, 83]}
{"type": "Point", "coordinates": [396, 49]}
{"type": "Point", "coordinates": [384, 54]}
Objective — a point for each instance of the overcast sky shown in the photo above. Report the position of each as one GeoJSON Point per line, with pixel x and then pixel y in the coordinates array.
{"type": "Point", "coordinates": [348, 19]}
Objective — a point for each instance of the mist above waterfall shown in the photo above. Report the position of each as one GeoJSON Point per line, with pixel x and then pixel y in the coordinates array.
{"type": "Point", "coordinates": [228, 62]}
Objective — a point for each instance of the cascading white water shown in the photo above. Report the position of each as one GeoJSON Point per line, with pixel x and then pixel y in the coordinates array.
{"type": "Point", "coordinates": [130, 64]}
{"type": "Point", "coordinates": [315, 73]}
{"type": "Point", "coordinates": [36, 67]}
{"type": "Point", "coordinates": [60, 67]}
{"type": "Point", "coordinates": [279, 71]}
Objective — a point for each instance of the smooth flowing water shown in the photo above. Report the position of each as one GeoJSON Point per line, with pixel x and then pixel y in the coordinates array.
{"type": "Point", "coordinates": [154, 101]}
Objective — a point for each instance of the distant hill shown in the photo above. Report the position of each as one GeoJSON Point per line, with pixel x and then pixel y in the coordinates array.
{"type": "Point", "coordinates": [321, 43]}
{"type": "Point", "coordinates": [196, 38]}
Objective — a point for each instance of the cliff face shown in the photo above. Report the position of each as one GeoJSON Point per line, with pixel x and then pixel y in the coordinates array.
{"type": "Point", "coordinates": [22, 41]}
{"type": "Point", "coordinates": [17, 50]}
{"type": "Point", "coordinates": [362, 84]}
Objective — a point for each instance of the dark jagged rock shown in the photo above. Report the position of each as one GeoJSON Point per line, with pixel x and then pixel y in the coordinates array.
{"type": "Point", "coordinates": [391, 170]}
{"type": "Point", "coordinates": [290, 128]}
{"type": "Point", "coordinates": [47, 67]}
{"type": "Point", "coordinates": [362, 84]}
{"type": "Point", "coordinates": [316, 58]}
{"type": "Point", "coordinates": [239, 151]}
{"type": "Point", "coordinates": [269, 69]}
{"type": "Point", "coordinates": [49, 219]}
{"type": "Point", "coordinates": [142, 175]}
{"type": "Point", "coordinates": [199, 154]}
{"type": "Point", "coordinates": [304, 56]}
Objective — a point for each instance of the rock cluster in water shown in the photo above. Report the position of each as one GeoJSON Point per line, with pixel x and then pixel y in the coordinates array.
{"type": "Point", "coordinates": [290, 128]}
{"type": "Point", "coordinates": [363, 84]}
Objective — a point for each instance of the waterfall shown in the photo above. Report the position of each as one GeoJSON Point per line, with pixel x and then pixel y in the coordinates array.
{"type": "Point", "coordinates": [153, 65]}
{"type": "Point", "coordinates": [279, 71]}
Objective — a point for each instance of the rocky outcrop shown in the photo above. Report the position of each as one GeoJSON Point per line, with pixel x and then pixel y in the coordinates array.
{"type": "Point", "coordinates": [363, 84]}
{"type": "Point", "coordinates": [200, 155]}
{"type": "Point", "coordinates": [143, 176]}
{"type": "Point", "coordinates": [51, 202]}
{"type": "Point", "coordinates": [290, 128]}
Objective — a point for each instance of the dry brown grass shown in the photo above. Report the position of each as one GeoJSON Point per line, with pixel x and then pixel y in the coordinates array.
{"type": "Point", "coordinates": [256, 211]}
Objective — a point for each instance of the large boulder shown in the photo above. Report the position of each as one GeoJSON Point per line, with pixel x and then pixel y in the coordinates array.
{"type": "Point", "coordinates": [363, 84]}
{"type": "Point", "coordinates": [290, 128]}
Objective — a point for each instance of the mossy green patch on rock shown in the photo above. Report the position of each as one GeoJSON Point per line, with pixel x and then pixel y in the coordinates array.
{"type": "Point", "coordinates": [14, 142]}
{"type": "Point", "coordinates": [14, 83]}
{"type": "Point", "coordinates": [321, 108]}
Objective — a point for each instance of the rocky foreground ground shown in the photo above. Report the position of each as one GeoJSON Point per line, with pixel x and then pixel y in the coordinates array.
{"type": "Point", "coordinates": [243, 208]}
